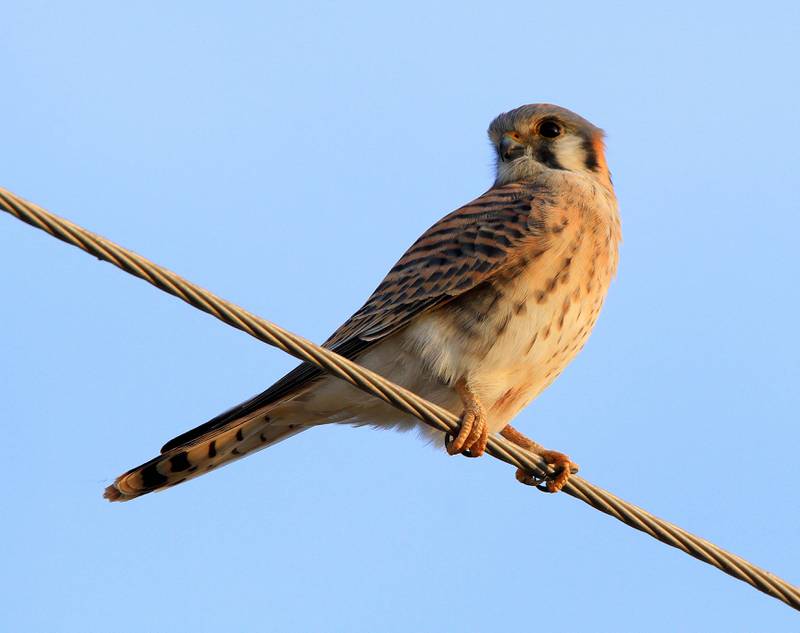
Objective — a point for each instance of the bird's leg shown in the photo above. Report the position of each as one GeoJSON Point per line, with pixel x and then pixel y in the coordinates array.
{"type": "Point", "coordinates": [474, 431]}
{"type": "Point", "coordinates": [557, 461]}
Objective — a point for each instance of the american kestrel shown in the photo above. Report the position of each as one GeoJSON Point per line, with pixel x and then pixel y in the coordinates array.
{"type": "Point", "coordinates": [478, 316]}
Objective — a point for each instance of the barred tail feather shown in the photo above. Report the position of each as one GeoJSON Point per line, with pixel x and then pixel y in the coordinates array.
{"type": "Point", "coordinates": [184, 462]}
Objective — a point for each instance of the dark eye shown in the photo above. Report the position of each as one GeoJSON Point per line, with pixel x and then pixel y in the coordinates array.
{"type": "Point", "coordinates": [549, 128]}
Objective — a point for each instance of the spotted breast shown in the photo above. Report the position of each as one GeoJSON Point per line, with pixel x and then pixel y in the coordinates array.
{"type": "Point", "coordinates": [514, 334]}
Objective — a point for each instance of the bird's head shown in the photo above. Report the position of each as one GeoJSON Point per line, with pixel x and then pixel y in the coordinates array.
{"type": "Point", "coordinates": [540, 136]}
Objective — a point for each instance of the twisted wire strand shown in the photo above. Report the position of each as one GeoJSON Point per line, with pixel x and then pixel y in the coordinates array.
{"type": "Point", "coordinates": [395, 395]}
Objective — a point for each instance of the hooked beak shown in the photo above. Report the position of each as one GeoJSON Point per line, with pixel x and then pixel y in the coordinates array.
{"type": "Point", "coordinates": [510, 148]}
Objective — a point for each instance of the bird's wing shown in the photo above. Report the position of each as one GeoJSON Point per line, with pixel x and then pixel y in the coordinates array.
{"type": "Point", "coordinates": [459, 252]}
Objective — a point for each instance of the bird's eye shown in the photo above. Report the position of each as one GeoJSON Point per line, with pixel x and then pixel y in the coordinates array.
{"type": "Point", "coordinates": [549, 128]}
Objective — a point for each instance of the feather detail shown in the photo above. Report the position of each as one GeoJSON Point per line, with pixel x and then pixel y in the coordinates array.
{"type": "Point", "coordinates": [206, 453]}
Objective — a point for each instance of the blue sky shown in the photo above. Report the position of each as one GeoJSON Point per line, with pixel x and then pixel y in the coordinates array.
{"type": "Point", "coordinates": [284, 156]}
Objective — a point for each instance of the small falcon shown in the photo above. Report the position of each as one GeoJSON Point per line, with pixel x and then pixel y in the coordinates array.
{"type": "Point", "coordinates": [479, 316]}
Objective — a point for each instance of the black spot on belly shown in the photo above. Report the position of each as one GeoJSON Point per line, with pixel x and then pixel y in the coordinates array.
{"type": "Point", "coordinates": [503, 324]}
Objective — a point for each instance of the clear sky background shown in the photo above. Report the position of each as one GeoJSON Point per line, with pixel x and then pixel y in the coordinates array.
{"type": "Point", "coordinates": [284, 156]}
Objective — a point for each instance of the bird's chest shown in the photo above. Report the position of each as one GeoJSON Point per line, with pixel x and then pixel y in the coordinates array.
{"type": "Point", "coordinates": [512, 337]}
{"type": "Point", "coordinates": [549, 314]}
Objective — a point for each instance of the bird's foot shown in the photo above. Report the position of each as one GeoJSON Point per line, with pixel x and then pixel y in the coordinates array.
{"type": "Point", "coordinates": [472, 434]}
{"type": "Point", "coordinates": [562, 467]}
{"type": "Point", "coordinates": [561, 464]}
{"type": "Point", "coordinates": [474, 430]}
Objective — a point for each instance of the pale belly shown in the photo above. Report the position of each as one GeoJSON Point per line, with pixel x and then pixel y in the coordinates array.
{"type": "Point", "coordinates": [506, 370]}
{"type": "Point", "coordinates": [510, 340]}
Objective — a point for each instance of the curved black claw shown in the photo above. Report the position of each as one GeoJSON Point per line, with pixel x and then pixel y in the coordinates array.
{"type": "Point", "coordinates": [448, 440]}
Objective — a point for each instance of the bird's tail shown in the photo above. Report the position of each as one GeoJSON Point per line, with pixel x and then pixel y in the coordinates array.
{"type": "Point", "coordinates": [187, 461]}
